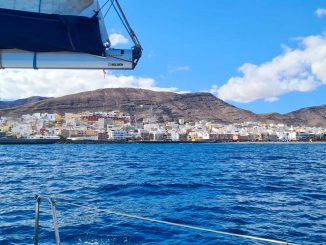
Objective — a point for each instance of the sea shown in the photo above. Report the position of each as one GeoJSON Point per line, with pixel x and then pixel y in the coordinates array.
{"type": "Point", "coordinates": [275, 191]}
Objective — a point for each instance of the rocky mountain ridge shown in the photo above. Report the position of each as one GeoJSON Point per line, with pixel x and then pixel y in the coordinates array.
{"type": "Point", "coordinates": [21, 102]}
{"type": "Point", "coordinates": [164, 106]}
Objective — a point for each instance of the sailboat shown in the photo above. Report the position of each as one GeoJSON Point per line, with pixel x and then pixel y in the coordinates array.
{"type": "Point", "coordinates": [62, 34]}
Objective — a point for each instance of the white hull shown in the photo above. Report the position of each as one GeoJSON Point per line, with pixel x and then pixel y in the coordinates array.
{"type": "Point", "coordinates": [116, 59]}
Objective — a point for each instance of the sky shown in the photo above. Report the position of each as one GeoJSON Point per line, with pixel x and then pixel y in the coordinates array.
{"type": "Point", "coordinates": [264, 56]}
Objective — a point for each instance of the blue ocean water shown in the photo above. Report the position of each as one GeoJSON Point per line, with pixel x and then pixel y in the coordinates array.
{"type": "Point", "coordinates": [276, 191]}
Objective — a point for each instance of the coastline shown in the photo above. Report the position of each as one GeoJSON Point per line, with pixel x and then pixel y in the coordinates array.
{"type": "Point", "coordinates": [5, 141]}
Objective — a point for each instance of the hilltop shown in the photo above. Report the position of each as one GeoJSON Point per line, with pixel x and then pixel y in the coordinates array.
{"type": "Point", "coordinates": [163, 106]}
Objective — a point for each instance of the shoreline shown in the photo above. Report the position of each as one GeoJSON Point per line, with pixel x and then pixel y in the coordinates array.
{"type": "Point", "coordinates": [93, 142]}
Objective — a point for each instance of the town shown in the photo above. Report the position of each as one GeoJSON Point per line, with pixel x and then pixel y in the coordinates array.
{"type": "Point", "coordinates": [115, 126]}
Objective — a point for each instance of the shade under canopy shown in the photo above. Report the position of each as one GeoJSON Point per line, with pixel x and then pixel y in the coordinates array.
{"type": "Point", "coordinates": [39, 32]}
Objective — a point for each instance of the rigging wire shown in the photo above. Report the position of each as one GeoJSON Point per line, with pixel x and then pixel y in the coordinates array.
{"type": "Point", "coordinates": [125, 22]}
{"type": "Point", "coordinates": [99, 9]}
{"type": "Point", "coordinates": [137, 49]}
{"type": "Point", "coordinates": [123, 19]}
{"type": "Point", "coordinates": [108, 10]}
{"type": "Point", "coordinates": [107, 211]}
{"type": "Point", "coordinates": [98, 210]}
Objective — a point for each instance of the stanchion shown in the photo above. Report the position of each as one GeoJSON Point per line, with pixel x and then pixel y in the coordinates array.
{"type": "Point", "coordinates": [37, 218]}
{"type": "Point", "coordinates": [55, 221]}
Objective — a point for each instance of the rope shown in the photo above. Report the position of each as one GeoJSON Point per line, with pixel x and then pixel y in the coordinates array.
{"type": "Point", "coordinates": [35, 54]}
{"type": "Point", "coordinates": [39, 6]}
{"type": "Point", "coordinates": [35, 61]}
{"type": "Point", "coordinates": [1, 66]}
{"type": "Point", "coordinates": [117, 58]}
{"type": "Point", "coordinates": [177, 224]}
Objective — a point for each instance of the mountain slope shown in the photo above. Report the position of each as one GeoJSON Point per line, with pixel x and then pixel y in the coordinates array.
{"type": "Point", "coordinates": [15, 103]}
{"type": "Point", "coordinates": [165, 106]}
{"type": "Point", "coordinates": [310, 116]}
{"type": "Point", "coordinates": [315, 115]}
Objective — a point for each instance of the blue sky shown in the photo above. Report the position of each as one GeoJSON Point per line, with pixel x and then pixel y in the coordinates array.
{"type": "Point", "coordinates": [192, 45]}
{"type": "Point", "coordinates": [261, 55]}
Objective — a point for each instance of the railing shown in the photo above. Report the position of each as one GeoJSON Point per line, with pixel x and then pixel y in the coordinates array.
{"type": "Point", "coordinates": [53, 202]}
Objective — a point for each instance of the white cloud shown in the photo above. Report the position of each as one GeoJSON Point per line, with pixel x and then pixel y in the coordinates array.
{"type": "Point", "coordinates": [16, 84]}
{"type": "Point", "coordinates": [179, 69]}
{"type": "Point", "coordinates": [116, 39]}
{"type": "Point", "coordinates": [320, 12]}
{"type": "Point", "coordinates": [214, 89]}
{"type": "Point", "coordinates": [302, 69]}
{"type": "Point", "coordinates": [271, 99]}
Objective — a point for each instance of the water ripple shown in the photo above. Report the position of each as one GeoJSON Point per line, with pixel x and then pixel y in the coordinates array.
{"type": "Point", "coordinates": [274, 191]}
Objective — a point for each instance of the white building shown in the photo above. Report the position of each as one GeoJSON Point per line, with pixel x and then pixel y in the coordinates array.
{"type": "Point", "coordinates": [175, 136]}
{"type": "Point", "coordinates": [117, 135]}
{"type": "Point", "coordinates": [49, 117]}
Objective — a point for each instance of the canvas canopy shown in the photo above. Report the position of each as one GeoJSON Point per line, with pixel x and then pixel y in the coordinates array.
{"type": "Point", "coordinates": [64, 7]}
{"type": "Point", "coordinates": [23, 27]}
{"type": "Point", "coordinates": [62, 34]}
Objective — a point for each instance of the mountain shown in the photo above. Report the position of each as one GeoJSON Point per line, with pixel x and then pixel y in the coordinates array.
{"type": "Point", "coordinates": [161, 106]}
{"type": "Point", "coordinates": [315, 116]}
{"type": "Point", "coordinates": [165, 106]}
{"type": "Point", "coordinates": [311, 116]}
{"type": "Point", "coordinates": [15, 103]}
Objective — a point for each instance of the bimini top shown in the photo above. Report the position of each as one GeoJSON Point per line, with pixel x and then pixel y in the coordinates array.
{"type": "Point", "coordinates": [62, 34]}
{"type": "Point", "coordinates": [52, 30]}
